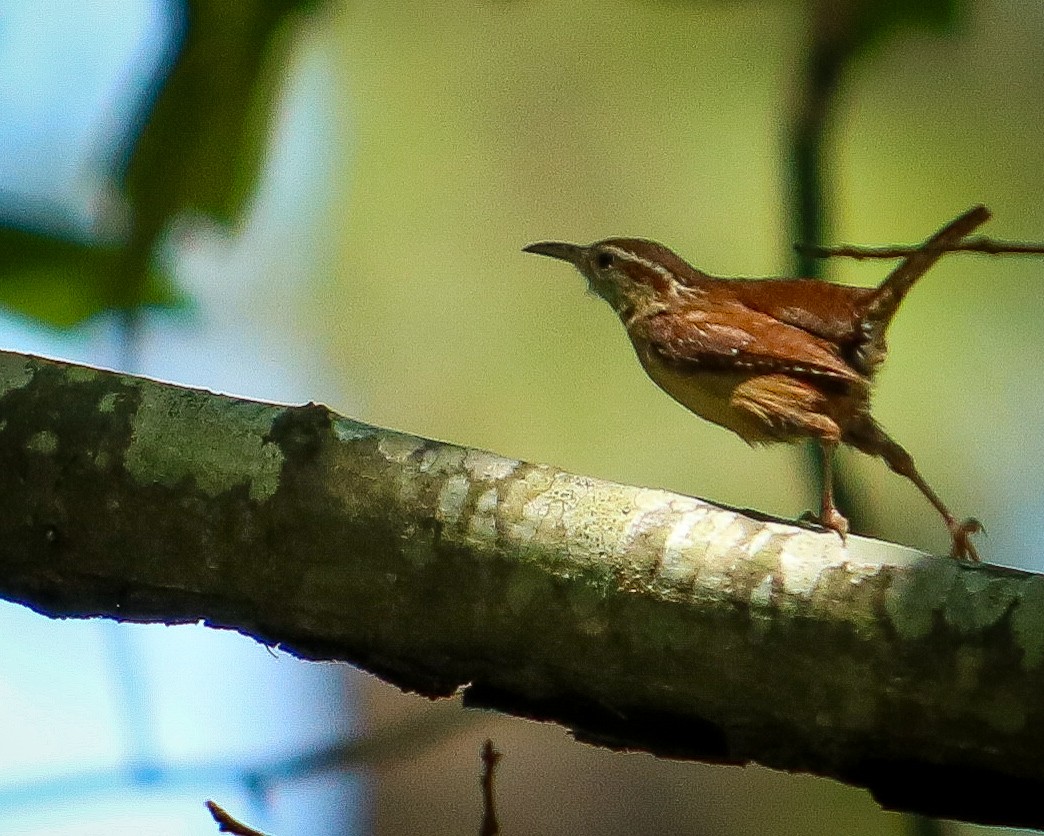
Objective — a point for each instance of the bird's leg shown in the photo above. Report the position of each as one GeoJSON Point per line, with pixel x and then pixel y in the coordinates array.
{"type": "Point", "coordinates": [787, 407]}
{"type": "Point", "coordinates": [871, 439]}
{"type": "Point", "coordinates": [829, 516]}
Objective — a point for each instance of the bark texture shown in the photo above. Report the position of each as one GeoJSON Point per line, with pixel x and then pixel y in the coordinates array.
{"type": "Point", "coordinates": [638, 618]}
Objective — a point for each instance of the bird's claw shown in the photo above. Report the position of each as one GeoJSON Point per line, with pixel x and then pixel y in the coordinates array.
{"type": "Point", "coordinates": [963, 549]}
{"type": "Point", "coordinates": [832, 519]}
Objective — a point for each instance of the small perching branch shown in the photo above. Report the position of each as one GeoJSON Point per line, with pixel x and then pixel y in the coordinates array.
{"type": "Point", "coordinates": [977, 244]}
{"type": "Point", "coordinates": [490, 758]}
{"type": "Point", "coordinates": [227, 824]}
{"type": "Point", "coordinates": [638, 618]}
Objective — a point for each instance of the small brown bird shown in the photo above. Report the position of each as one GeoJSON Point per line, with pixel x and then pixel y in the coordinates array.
{"type": "Point", "coordinates": [770, 359]}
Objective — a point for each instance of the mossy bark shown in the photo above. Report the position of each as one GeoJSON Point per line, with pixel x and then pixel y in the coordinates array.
{"type": "Point", "coordinates": [638, 618]}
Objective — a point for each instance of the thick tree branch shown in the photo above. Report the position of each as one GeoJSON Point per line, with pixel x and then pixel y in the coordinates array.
{"type": "Point", "coordinates": [638, 618]}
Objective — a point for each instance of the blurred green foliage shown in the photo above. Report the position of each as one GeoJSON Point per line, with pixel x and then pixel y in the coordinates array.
{"type": "Point", "coordinates": [60, 281]}
{"type": "Point", "coordinates": [875, 20]}
{"type": "Point", "coordinates": [199, 150]}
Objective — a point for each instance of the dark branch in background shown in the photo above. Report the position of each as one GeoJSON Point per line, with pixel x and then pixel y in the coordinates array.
{"type": "Point", "coordinates": [977, 244]}
{"type": "Point", "coordinates": [227, 824]}
{"type": "Point", "coordinates": [637, 618]}
{"type": "Point", "coordinates": [828, 53]}
{"type": "Point", "coordinates": [490, 758]}
{"type": "Point", "coordinates": [840, 33]}
{"type": "Point", "coordinates": [832, 45]}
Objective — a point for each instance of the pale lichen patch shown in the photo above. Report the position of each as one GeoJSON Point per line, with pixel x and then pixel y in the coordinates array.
{"type": "Point", "coordinates": [347, 430]}
{"type": "Point", "coordinates": [545, 508]}
{"type": "Point", "coordinates": [520, 523]}
{"type": "Point", "coordinates": [713, 524]}
{"type": "Point", "coordinates": [759, 541]}
{"type": "Point", "coordinates": [452, 496]}
{"type": "Point", "coordinates": [702, 552]}
{"type": "Point", "coordinates": [398, 447]}
{"type": "Point", "coordinates": [650, 499]}
{"type": "Point", "coordinates": [442, 458]}
{"type": "Point", "coordinates": [721, 532]}
{"type": "Point", "coordinates": [1027, 622]}
{"type": "Point", "coordinates": [638, 523]}
{"type": "Point", "coordinates": [803, 561]}
{"type": "Point", "coordinates": [483, 466]}
{"type": "Point", "coordinates": [762, 608]}
{"type": "Point", "coordinates": [650, 511]}
{"type": "Point", "coordinates": [570, 510]}
{"type": "Point", "coordinates": [108, 402]}
{"type": "Point", "coordinates": [15, 372]}
{"type": "Point", "coordinates": [731, 530]}
{"type": "Point", "coordinates": [483, 522]}
{"type": "Point", "coordinates": [799, 576]}
{"type": "Point", "coordinates": [217, 443]}
{"type": "Point", "coordinates": [860, 573]}
{"type": "Point", "coordinates": [761, 595]}
{"type": "Point", "coordinates": [44, 442]}
{"type": "Point", "coordinates": [593, 520]}
{"type": "Point", "coordinates": [678, 563]}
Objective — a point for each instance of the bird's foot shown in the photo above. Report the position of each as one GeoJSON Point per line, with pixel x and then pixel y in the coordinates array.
{"type": "Point", "coordinates": [833, 520]}
{"type": "Point", "coordinates": [961, 532]}
{"type": "Point", "coordinates": [830, 519]}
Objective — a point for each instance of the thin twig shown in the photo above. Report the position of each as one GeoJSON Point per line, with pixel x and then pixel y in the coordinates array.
{"type": "Point", "coordinates": [227, 824]}
{"type": "Point", "coordinates": [978, 244]}
{"type": "Point", "coordinates": [490, 758]}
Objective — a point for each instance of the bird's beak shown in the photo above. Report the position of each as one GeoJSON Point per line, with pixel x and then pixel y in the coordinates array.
{"type": "Point", "coordinates": [573, 253]}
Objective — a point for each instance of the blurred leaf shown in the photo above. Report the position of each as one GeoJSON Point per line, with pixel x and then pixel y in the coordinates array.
{"type": "Point", "coordinates": [61, 282]}
{"type": "Point", "coordinates": [200, 150]}
{"type": "Point", "coordinates": [864, 23]}
{"type": "Point", "coordinates": [202, 147]}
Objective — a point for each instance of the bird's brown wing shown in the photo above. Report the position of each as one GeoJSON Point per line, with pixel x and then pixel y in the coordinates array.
{"type": "Point", "coordinates": [826, 310]}
{"type": "Point", "coordinates": [735, 337]}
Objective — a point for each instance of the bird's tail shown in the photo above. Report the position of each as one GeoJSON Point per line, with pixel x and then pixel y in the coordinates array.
{"type": "Point", "coordinates": [882, 305]}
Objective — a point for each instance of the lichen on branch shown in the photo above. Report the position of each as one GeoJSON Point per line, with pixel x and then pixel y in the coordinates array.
{"type": "Point", "coordinates": [636, 617]}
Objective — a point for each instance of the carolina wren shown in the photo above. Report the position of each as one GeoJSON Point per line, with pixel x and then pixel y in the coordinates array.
{"type": "Point", "coordinates": [770, 359]}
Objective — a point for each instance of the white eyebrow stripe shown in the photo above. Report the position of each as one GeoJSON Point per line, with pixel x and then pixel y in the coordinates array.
{"type": "Point", "coordinates": [627, 255]}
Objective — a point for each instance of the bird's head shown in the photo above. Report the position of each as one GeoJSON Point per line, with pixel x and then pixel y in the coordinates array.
{"type": "Point", "coordinates": [631, 274]}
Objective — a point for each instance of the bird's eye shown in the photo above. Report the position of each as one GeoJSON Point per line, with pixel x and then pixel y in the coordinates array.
{"type": "Point", "coordinates": [603, 261]}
